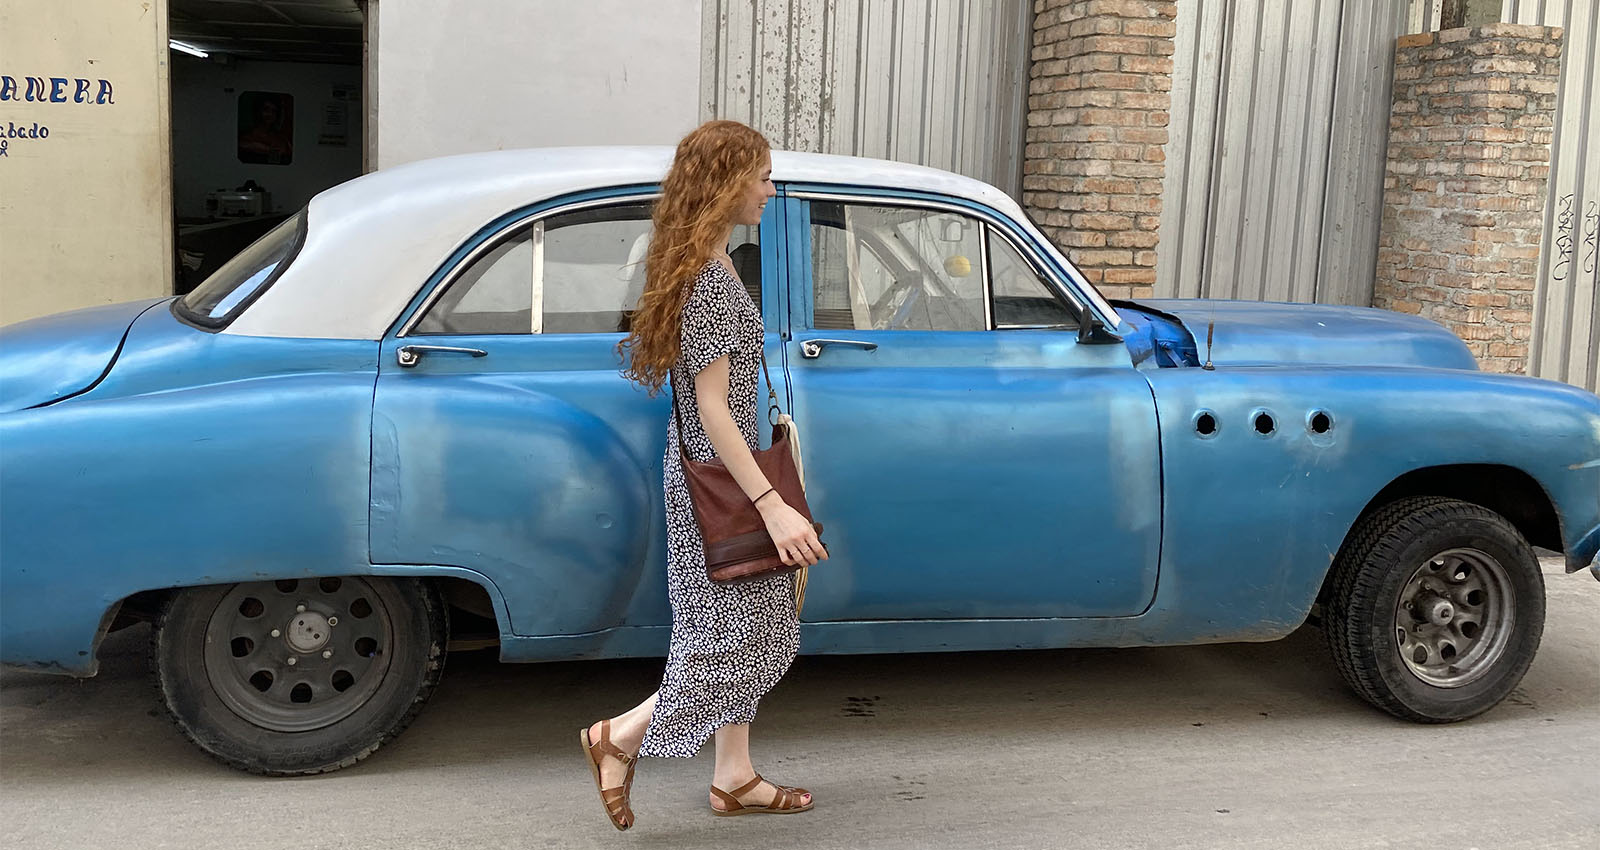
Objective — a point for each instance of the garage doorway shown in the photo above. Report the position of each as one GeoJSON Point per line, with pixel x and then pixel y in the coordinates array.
{"type": "Point", "coordinates": [266, 112]}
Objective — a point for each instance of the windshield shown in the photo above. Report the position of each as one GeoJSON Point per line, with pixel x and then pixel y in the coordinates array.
{"type": "Point", "coordinates": [231, 288]}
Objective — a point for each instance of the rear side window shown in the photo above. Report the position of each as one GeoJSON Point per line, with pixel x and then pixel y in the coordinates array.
{"type": "Point", "coordinates": [230, 289]}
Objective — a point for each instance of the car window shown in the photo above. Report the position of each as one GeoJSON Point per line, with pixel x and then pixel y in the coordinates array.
{"type": "Point", "coordinates": [577, 272]}
{"type": "Point", "coordinates": [232, 287]}
{"type": "Point", "coordinates": [880, 267]}
{"type": "Point", "coordinates": [1021, 297]}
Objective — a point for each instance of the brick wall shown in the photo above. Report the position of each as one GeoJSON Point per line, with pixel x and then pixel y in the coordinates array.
{"type": "Point", "coordinates": [1464, 186]}
{"type": "Point", "coordinates": [1098, 101]}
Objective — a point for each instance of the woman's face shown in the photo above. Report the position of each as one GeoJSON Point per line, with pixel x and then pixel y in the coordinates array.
{"type": "Point", "coordinates": [753, 200]}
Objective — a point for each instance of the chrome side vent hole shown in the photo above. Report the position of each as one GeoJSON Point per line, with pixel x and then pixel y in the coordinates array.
{"type": "Point", "coordinates": [1205, 423]}
{"type": "Point", "coordinates": [1320, 423]}
{"type": "Point", "coordinates": [1264, 424]}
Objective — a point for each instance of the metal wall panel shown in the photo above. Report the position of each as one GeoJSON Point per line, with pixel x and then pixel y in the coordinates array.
{"type": "Point", "coordinates": [1566, 318]}
{"type": "Point", "coordinates": [934, 82]}
{"type": "Point", "coordinates": [1280, 109]}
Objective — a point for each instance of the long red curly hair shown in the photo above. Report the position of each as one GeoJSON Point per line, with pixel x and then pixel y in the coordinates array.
{"type": "Point", "coordinates": [712, 168]}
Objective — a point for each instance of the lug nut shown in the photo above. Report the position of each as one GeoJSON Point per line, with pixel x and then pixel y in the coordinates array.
{"type": "Point", "coordinates": [299, 609]}
{"type": "Point", "coordinates": [327, 653]}
{"type": "Point", "coordinates": [276, 633]}
{"type": "Point", "coordinates": [333, 621]}
{"type": "Point", "coordinates": [293, 661]}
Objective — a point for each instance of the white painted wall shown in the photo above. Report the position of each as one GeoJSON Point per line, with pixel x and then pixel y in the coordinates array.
{"type": "Point", "coordinates": [86, 212]}
{"type": "Point", "coordinates": [455, 76]}
{"type": "Point", "coordinates": [205, 151]}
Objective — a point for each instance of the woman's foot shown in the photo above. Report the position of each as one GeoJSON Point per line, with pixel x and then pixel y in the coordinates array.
{"type": "Point", "coordinates": [758, 796]}
{"type": "Point", "coordinates": [611, 761]}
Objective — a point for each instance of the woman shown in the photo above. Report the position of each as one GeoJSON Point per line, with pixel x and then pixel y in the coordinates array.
{"type": "Point", "coordinates": [697, 327]}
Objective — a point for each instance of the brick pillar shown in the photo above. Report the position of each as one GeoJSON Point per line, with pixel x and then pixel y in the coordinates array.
{"type": "Point", "coordinates": [1464, 187]}
{"type": "Point", "coordinates": [1098, 101]}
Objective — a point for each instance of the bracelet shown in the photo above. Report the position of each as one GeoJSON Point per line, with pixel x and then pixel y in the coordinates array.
{"type": "Point", "coordinates": [763, 495]}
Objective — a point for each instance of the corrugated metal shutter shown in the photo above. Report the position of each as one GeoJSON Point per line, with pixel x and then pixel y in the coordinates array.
{"type": "Point", "coordinates": [933, 82]}
{"type": "Point", "coordinates": [1566, 319]}
{"type": "Point", "coordinates": [1274, 180]}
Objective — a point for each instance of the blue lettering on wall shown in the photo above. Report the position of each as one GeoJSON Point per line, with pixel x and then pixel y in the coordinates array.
{"type": "Point", "coordinates": [54, 90]}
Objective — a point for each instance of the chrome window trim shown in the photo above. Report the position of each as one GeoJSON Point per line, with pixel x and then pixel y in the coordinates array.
{"type": "Point", "coordinates": [1032, 266]}
{"type": "Point", "coordinates": [988, 276]}
{"type": "Point", "coordinates": [982, 215]}
{"type": "Point", "coordinates": [499, 236]}
{"type": "Point", "coordinates": [536, 311]}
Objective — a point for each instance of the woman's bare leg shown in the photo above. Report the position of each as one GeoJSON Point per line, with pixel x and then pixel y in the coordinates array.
{"type": "Point", "coordinates": [734, 769]}
{"type": "Point", "coordinates": [627, 732]}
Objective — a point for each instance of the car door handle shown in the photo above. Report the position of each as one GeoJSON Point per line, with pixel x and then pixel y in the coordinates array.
{"type": "Point", "coordinates": [811, 349]}
{"type": "Point", "coordinates": [409, 355]}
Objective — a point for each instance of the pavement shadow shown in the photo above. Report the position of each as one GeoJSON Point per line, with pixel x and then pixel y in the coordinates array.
{"type": "Point", "coordinates": [485, 712]}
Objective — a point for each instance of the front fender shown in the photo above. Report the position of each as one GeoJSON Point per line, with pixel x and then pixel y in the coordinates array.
{"type": "Point", "coordinates": [1253, 521]}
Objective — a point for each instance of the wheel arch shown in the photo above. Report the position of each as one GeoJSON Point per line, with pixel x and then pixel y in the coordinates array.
{"type": "Point", "coordinates": [461, 590]}
{"type": "Point", "coordinates": [1506, 490]}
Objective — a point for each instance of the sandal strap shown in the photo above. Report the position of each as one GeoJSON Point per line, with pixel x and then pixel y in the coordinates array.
{"type": "Point", "coordinates": [748, 786]}
{"type": "Point", "coordinates": [606, 748]}
{"type": "Point", "coordinates": [727, 798]}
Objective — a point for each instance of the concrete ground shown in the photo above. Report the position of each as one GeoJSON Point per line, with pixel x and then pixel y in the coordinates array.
{"type": "Point", "coordinates": [1237, 746]}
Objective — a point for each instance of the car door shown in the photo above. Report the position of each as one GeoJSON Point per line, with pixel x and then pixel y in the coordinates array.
{"type": "Point", "coordinates": [505, 440]}
{"type": "Point", "coordinates": [968, 456]}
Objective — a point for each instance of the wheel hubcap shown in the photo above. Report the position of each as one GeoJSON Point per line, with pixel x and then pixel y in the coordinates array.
{"type": "Point", "coordinates": [1454, 617]}
{"type": "Point", "coordinates": [297, 655]}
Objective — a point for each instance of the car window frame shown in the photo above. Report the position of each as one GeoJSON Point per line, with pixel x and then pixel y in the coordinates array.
{"type": "Point", "coordinates": [217, 324]}
{"type": "Point", "coordinates": [986, 217]}
{"type": "Point", "coordinates": [1033, 266]}
{"type": "Point", "coordinates": [496, 233]}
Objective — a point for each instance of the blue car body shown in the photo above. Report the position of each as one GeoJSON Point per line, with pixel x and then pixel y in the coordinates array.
{"type": "Point", "coordinates": [1019, 488]}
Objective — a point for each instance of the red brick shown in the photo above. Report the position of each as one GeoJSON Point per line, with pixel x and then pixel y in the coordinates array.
{"type": "Point", "coordinates": [1144, 276]}
{"type": "Point", "coordinates": [1115, 44]}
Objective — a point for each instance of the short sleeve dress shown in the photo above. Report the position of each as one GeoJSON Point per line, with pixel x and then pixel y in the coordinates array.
{"type": "Point", "coordinates": [730, 643]}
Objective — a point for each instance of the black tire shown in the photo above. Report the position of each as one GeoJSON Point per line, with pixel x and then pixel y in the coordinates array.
{"type": "Point", "coordinates": [388, 660]}
{"type": "Point", "coordinates": [1405, 579]}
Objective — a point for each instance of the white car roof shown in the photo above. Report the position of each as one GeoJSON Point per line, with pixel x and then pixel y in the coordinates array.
{"type": "Point", "coordinates": [372, 242]}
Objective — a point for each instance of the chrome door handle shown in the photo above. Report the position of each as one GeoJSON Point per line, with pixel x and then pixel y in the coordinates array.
{"type": "Point", "coordinates": [811, 349]}
{"type": "Point", "coordinates": [409, 355]}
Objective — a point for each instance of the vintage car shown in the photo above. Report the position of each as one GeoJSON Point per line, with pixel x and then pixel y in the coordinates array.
{"type": "Point", "coordinates": [398, 420]}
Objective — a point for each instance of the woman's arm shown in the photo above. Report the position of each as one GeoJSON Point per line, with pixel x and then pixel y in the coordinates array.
{"type": "Point", "coordinates": [796, 540]}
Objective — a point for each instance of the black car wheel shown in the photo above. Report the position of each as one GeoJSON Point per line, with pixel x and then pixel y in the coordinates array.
{"type": "Point", "coordinates": [1435, 608]}
{"type": "Point", "coordinates": [298, 676]}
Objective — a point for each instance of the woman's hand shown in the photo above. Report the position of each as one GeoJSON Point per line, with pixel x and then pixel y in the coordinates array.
{"type": "Point", "coordinates": [795, 538]}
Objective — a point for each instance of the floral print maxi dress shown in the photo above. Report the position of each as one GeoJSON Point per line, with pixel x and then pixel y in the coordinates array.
{"type": "Point", "coordinates": [730, 643]}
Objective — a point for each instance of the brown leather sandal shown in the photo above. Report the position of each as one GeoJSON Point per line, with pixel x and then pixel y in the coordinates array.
{"type": "Point", "coordinates": [615, 800]}
{"type": "Point", "coordinates": [785, 802]}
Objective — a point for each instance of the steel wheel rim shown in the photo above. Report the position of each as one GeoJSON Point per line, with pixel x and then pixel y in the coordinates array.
{"type": "Point", "coordinates": [337, 631]}
{"type": "Point", "coordinates": [1454, 618]}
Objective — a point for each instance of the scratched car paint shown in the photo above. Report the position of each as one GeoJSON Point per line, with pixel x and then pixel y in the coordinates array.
{"type": "Point", "coordinates": [398, 420]}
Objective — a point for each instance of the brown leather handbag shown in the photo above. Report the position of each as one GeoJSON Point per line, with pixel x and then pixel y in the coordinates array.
{"type": "Point", "coordinates": [737, 545]}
